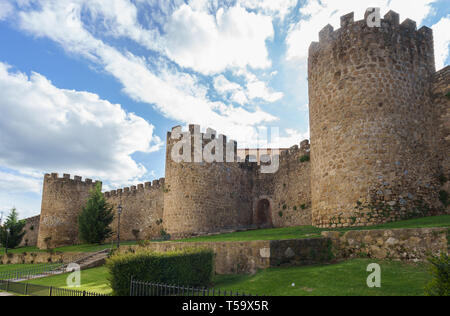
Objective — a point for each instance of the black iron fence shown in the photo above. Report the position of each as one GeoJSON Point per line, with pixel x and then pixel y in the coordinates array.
{"type": "Point", "coordinates": [41, 290]}
{"type": "Point", "coordinates": [41, 270]}
{"type": "Point", "coordinates": [140, 288]}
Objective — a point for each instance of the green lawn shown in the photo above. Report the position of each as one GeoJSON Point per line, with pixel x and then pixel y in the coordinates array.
{"type": "Point", "coordinates": [94, 280]}
{"type": "Point", "coordinates": [342, 279]}
{"type": "Point", "coordinates": [76, 248]}
{"type": "Point", "coordinates": [345, 278]}
{"type": "Point", "coordinates": [310, 231]}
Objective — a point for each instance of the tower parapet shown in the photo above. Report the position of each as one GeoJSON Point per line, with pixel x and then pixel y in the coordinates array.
{"type": "Point", "coordinates": [62, 202]}
{"type": "Point", "coordinates": [371, 119]}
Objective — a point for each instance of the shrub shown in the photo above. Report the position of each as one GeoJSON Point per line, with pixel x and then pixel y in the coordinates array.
{"type": "Point", "coordinates": [440, 270]}
{"type": "Point", "coordinates": [305, 158]}
{"type": "Point", "coordinates": [188, 267]}
{"type": "Point", "coordinates": [444, 198]}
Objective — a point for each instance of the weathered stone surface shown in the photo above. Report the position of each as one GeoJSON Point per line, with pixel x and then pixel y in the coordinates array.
{"type": "Point", "coordinates": [406, 244]}
{"type": "Point", "coordinates": [40, 257]}
{"type": "Point", "coordinates": [31, 230]}
{"type": "Point", "coordinates": [373, 123]}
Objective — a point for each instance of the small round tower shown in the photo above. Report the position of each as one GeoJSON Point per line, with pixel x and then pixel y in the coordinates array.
{"type": "Point", "coordinates": [204, 194]}
{"type": "Point", "coordinates": [62, 202]}
{"type": "Point", "coordinates": [372, 123]}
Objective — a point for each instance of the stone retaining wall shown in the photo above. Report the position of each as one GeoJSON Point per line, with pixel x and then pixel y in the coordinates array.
{"type": "Point", "coordinates": [248, 257]}
{"type": "Point", "coordinates": [39, 257]}
{"type": "Point", "coordinates": [406, 244]}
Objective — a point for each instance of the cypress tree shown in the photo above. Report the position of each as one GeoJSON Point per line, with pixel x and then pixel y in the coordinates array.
{"type": "Point", "coordinates": [95, 219]}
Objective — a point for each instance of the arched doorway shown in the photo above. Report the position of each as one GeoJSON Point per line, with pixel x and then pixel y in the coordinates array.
{"type": "Point", "coordinates": [263, 214]}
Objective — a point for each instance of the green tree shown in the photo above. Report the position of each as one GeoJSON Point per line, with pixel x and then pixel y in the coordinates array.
{"type": "Point", "coordinates": [16, 231]}
{"type": "Point", "coordinates": [95, 219]}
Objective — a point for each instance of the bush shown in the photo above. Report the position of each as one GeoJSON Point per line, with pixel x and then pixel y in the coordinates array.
{"type": "Point", "coordinates": [440, 270]}
{"type": "Point", "coordinates": [189, 267]}
{"type": "Point", "coordinates": [305, 158]}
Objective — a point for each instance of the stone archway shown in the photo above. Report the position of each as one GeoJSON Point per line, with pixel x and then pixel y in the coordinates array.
{"type": "Point", "coordinates": [263, 218]}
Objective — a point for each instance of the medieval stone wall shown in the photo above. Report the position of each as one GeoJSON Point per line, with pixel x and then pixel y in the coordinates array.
{"type": "Point", "coordinates": [441, 100]}
{"type": "Point", "coordinates": [62, 202]}
{"type": "Point", "coordinates": [142, 211]}
{"type": "Point", "coordinates": [205, 197]}
{"type": "Point", "coordinates": [288, 190]}
{"type": "Point", "coordinates": [372, 123]}
{"type": "Point", "coordinates": [31, 230]}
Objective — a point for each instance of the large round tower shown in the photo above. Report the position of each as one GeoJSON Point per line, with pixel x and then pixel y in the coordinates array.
{"type": "Point", "coordinates": [62, 202]}
{"type": "Point", "coordinates": [372, 123]}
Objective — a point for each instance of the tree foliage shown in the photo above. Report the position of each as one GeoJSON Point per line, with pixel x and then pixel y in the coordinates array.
{"type": "Point", "coordinates": [16, 231]}
{"type": "Point", "coordinates": [95, 219]}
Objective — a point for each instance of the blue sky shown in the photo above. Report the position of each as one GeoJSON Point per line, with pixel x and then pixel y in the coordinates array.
{"type": "Point", "coordinates": [91, 87]}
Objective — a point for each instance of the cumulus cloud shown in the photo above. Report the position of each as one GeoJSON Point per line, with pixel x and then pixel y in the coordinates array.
{"type": "Point", "coordinates": [255, 89]}
{"type": "Point", "coordinates": [46, 128]}
{"type": "Point", "coordinates": [14, 183]}
{"type": "Point", "coordinates": [177, 95]}
{"type": "Point", "coordinates": [229, 89]}
{"type": "Point", "coordinates": [278, 8]}
{"type": "Point", "coordinates": [5, 10]}
{"type": "Point", "coordinates": [441, 41]}
{"type": "Point", "coordinates": [316, 14]}
{"type": "Point", "coordinates": [209, 44]}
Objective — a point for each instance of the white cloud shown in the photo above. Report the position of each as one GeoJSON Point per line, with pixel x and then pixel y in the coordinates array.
{"type": "Point", "coordinates": [13, 183]}
{"type": "Point", "coordinates": [177, 95]}
{"type": "Point", "coordinates": [49, 129]}
{"type": "Point", "coordinates": [5, 10]}
{"type": "Point", "coordinates": [441, 41]}
{"type": "Point", "coordinates": [230, 89]}
{"type": "Point", "coordinates": [317, 14]}
{"type": "Point", "coordinates": [278, 8]}
{"type": "Point", "coordinates": [255, 89]}
{"type": "Point", "coordinates": [259, 89]}
{"type": "Point", "coordinates": [232, 38]}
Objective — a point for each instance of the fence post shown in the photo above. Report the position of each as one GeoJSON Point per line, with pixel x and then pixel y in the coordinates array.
{"type": "Point", "coordinates": [84, 293]}
{"type": "Point", "coordinates": [50, 290]}
{"type": "Point", "coordinates": [131, 286]}
{"type": "Point", "coordinates": [26, 288]}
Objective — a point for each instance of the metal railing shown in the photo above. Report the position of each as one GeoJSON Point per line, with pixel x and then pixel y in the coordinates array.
{"type": "Point", "coordinates": [141, 288]}
{"type": "Point", "coordinates": [41, 290]}
{"type": "Point", "coordinates": [41, 270]}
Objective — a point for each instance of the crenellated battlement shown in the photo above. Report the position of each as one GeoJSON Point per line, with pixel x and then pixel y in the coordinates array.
{"type": "Point", "coordinates": [390, 25]}
{"type": "Point", "coordinates": [200, 143]}
{"type": "Point", "coordinates": [147, 186]}
{"type": "Point", "coordinates": [304, 148]}
{"type": "Point", "coordinates": [67, 178]}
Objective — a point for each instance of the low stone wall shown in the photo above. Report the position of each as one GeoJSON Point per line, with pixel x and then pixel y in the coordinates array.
{"type": "Point", "coordinates": [406, 244]}
{"type": "Point", "coordinates": [39, 257]}
{"type": "Point", "coordinates": [248, 257]}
